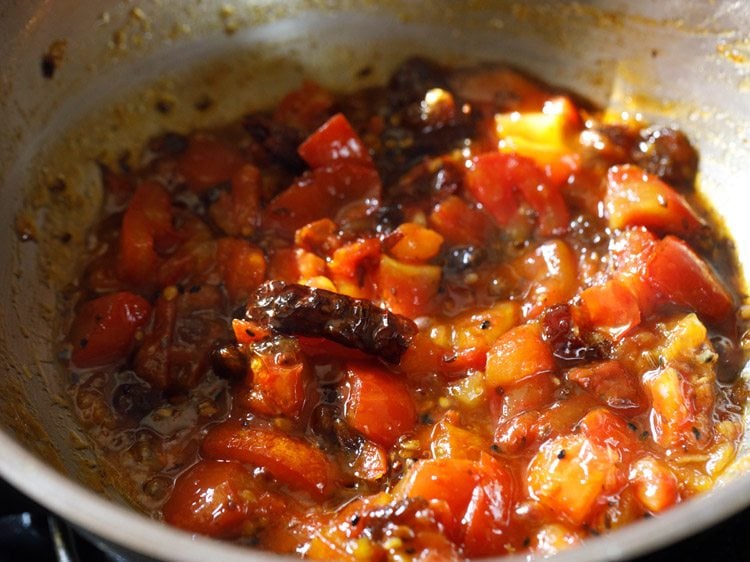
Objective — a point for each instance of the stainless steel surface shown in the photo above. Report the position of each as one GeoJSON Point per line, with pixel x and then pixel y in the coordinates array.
{"type": "Point", "coordinates": [674, 61]}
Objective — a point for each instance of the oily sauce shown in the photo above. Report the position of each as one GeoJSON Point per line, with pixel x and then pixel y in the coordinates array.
{"type": "Point", "coordinates": [458, 315]}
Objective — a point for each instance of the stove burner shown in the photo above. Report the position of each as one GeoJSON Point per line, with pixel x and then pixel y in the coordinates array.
{"type": "Point", "coordinates": [28, 532]}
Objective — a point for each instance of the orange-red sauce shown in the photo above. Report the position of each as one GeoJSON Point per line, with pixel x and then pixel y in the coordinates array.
{"type": "Point", "coordinates": [565, 343]}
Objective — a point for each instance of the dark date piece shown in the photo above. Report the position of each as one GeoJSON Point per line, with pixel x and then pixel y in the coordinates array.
{"type": "Point", "coordinates": [297, 310]}
{"type": "Point", "coordinates": [668, 154]}
{"type": "Point", "coordinates": [569, 346]}
{"type": "Point", "coordinates": [229, 362]}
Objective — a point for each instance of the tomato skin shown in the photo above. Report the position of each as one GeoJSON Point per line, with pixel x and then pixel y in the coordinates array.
{"type": "Point", "coordinates": [208, 162]}
{"type": "Point", "coordinates": [305, 108]}
{"type": "Point", "coordinates": [571, 475]}
{"type": "Point", "coordinates": [486, 181]}
{"type": "Point", "coordinates": [472, 499]}
{"type": "Point", "coordinates": [242, 265]}
{"type": "Point", "coordinates": [531, 393]}
{"type": "Point", "coordinates": [237, 213]}
{"type": "Point", "coordinates": [334, 141]}
{"type": "Point", "coordinates": [611, 383]}
{"type": "Point", "coordinates": [377, 404]}
{"type": "Point", "coordinates": [674, 410]}
{"type": "Point", "coordinates": [290, 460]}
{"type": "Point", "coordinates": [606, 428]}
{"type": "Point", "coordinates": [517, 354]}
{"type": "Point", "coordinates": [352, 267]}
{"type": "Point", "coordinates": [459, 223]}
{"type": "Point", "coordinates": [277, 388]}
{"type": "Point", "coordinates": [636, 198]}
{"type": "Point", "coordinates": [656, 486]}
{"type": "Point", "coordinates": [408, 289]}
{"type": "Point", "coordinates": [498, 179]}
{"type": "Point", "coordinates": [105, 328]}
{"type": "Point", "coordinates": [219, 499]}
{"type": "Point", "coordinates": [678, 275]}
{"type": "Point", "coordinates": [169, 357]}
{"type": "Point", "coordinates": [550, 271]}
{"type": "Point", "coordinates": [611, 308]}
{"type": "Point", "coordinates": [415, 243]}
{"type": "Point", "coordinates": [320, 193]}
{"type": "Point", "coordinates": [147, 219]}
{"type": "Point", "coordinates": [448, 440]}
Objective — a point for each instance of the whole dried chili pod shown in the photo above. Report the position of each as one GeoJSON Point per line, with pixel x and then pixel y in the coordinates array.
{"type": "Point", "coordinates": [298, 310]}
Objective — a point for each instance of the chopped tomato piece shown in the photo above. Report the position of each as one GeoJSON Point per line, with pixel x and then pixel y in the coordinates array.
{"type": "Point", "coordinates": [459, 223]}
{"type": "Point", "coordinates": [222, 500]}
{"type": "Point", "coordinates": [322, 192]}
{"type": "Point", "coordinates": [305, 108]}
{"type": "Point", "coordinates": [371, 462]}
{"type": "Point", "coordinates": [290, 460]}
{"type": "Point", "coordinates": [497, 180]}
{"type": "Point", "coordinates": [552, 538]}
{"type": "Point", "coordinates": [207, 162]}
{"type": "Point", "coordinates": [636, 198]}
{"type": "Point", "coordinates": [628, 250]}
{"type": "Point", "coordinates": [377, 404]}
{"type": "Point", "coordinates": [487, 180]}
{"type": "Point", "coordinates": [242, 265]}
{"type": "Point", "coordinates": [608, 429]}
{"type": "Point", "coordinates": [353, 533]}
{"type": "Point", "coordinates": [104, 330]}
{"type": "Point", "coordinates": [171, 356]}
{"type": "Point", "coordinates": [415, 243]}
{"type": "Point", "coordinates": [448, 440]}
{"type": "Point", "coordinates": [246, 331]}
{"type": "Point", "coordinates": [408, 289]}
{"type": "Point", "coordinates": [675, 420]}
{"type": "Point", "coordinates": [423, 356]}
{"type": "Point", "coordinates": [335, 141]}
{"type": "Point", "coordinates": [678, 275]}
{"type": "Point", "coordinates": [611, 308]}
{"type": "Point", "coordinates": [147, 221]}
{"type": "Point", "coordinates": [563, 416]}
{"type": "Point", "coordinates": [656, 486]}
{"type": "Point", "coordinates": [551, 274]}
{"type": "Point", "coordinates": [611, 383]}
{"type": "Point", "coordinates": [467, 338]}
{"type": "Point", "coordinates": [277, 384]}
{"type": "Point", "coordinates": [471, 498]}
{"type": "Point", "coordinates": [531, 393]}
{"type": "Point", "coordinates": [237, 213]}
{"type": "Point", "coordinates": [513, 435]}
{"type": "Point", "coordinates": [488, 85]}
{"type": "Point", "coordinates": [283, 265]}
{"type": "Point", "coordinates": [318, 237]}
{"type": "Point", "coordinates": [352, 267]}
{"type": "Point", "coordinates": [519, 353]}
{"type": "Point", "coordinates": [546, 135]}
{"type": "Point", "coordinates": [487, 516]}
{"type": "Point", "coordinates": [572, 475]}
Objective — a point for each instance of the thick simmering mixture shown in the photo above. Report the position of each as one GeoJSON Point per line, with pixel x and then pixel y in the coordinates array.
{"type": "Point", "coordinates": [456, 316]}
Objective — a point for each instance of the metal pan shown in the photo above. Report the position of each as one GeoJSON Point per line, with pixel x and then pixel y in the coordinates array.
{"type": "Point", "coordinates": [79, 81]}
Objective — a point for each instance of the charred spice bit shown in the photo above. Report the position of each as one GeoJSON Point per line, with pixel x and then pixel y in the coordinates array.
{"type": "Point", "coordinates": [52, 58]}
